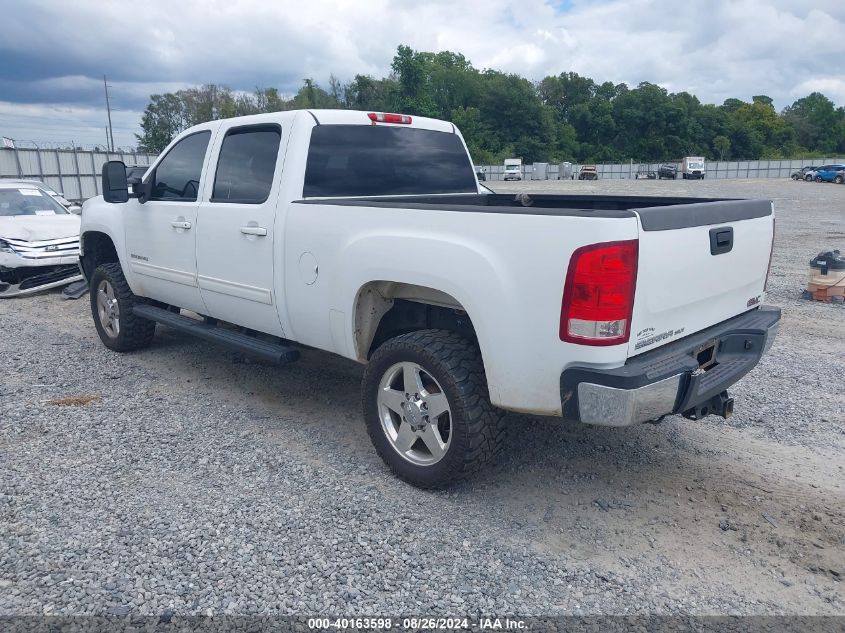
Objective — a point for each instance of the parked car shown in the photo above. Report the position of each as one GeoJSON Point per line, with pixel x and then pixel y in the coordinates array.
{"type": "Point", "coordinates": [667, 171]}
{"type": "Point", "coordinates": [801, 174]}
{"type": "Point", "coordinates": [136, 172]}
{"type": "Point", "coordinates": [827, 173]}
{"type": "Point", "coordinates": [481, 174]}
{"type": "Point", "coordinates": [39, 241]}
{"type": "Point", "coordinates": [58, 197]}
{"type": "Point", "coordinates": [329, 229]}
{"type": "Point", "coordinates": [588, 172]}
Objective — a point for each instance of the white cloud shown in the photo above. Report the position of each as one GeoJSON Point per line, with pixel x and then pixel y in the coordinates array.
{"type": "Point", "coordinates": [714, 50]}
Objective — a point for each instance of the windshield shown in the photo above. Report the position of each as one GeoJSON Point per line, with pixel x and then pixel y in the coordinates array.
{"type": "Point", "coordinates": [28, 201]}
{"type": "Point", "coordinates": [696, 165]}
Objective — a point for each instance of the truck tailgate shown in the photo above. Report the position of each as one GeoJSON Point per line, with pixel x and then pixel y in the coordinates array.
{"type": "Point", "coordinates": [699, 264]}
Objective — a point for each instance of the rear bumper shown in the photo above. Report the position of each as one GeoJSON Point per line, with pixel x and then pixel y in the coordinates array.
{"type": "Point", "coordinates": [671, 379]}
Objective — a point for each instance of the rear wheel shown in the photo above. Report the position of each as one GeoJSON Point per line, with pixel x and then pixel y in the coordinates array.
{"type": "Point", "coordinates": [808, 178]}
{"type": "Point", "coordinates": [838, 180]}
{"type": "Point", "coordinates": [111, 306]}
{"type": "Point", "coordinates": [427, 408]}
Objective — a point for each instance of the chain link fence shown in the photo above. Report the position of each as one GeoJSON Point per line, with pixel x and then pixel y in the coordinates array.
{"type": "Point", "coordinates": [70, 169]}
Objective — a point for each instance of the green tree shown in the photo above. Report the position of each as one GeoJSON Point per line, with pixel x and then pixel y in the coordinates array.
{"type": "Point", "coordinates": [366, 93]}
{"type": "Point", "coordinates": [516, 118]}
{"type": "Point", "coordinates": [163, 118]}
{"type": "Point", "coordinates": [816, 122]}
{"type": "Point", "coordinates": [722, 144]}
{"type": "Point", "coordinates": [561, 117]}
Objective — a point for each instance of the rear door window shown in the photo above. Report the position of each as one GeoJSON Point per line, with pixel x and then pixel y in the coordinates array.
{"type": "Point", "coordinates": [374, 160]}
{"type": "Point", "coordinates": [247, 164]}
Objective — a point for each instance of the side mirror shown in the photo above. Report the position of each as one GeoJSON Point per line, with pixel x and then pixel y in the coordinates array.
{"type": "Point", "coordinates": [115, 188]}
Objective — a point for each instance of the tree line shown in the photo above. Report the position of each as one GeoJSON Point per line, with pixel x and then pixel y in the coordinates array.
{"type": "Point", "coordinates": [563, 117]}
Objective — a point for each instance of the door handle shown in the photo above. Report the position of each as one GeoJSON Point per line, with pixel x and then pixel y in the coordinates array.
{"type": "Point", "coordinates": [721, 240]}
{"type": "Point", "coordinates": [180, 224]}
{"type": "Point", "coordinates": [254, 230]}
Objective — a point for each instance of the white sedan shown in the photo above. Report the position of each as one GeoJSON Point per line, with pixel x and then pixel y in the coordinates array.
{"type": "Point", "coordinates": [39, 241]}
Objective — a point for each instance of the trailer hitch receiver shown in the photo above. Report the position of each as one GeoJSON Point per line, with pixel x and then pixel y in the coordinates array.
{"type": "Point", "coordinates": [721, 405]}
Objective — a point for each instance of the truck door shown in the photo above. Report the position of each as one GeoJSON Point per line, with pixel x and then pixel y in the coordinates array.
{"type": "Point", "coordinates": [161, 233]}
{"type": "Point", "coordinates": [235, 237]}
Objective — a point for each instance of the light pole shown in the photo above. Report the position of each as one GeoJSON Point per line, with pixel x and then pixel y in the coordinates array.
{"type": "Point", "coordinates": [108, 111]}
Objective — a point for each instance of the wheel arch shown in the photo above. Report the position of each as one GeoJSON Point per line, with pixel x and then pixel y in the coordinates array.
{"type": "Point", "coordinates": [96, 247]}
{"type": "Point", "coordinates": [384, 309]}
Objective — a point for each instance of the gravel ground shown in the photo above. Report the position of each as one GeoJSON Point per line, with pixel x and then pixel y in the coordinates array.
{"type": "Point", "coordinates": [188, 479]}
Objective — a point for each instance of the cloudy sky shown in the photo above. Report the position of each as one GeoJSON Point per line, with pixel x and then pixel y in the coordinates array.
{"type": "Point", "coordinates": [54, 53]}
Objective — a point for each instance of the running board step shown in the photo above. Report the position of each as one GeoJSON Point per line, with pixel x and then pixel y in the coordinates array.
{"type": "Point", "coordinates": [272, 352]}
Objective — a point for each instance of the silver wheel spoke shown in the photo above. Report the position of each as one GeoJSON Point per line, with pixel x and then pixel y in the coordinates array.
{"type": "Point", "coordinates": [423, 415]}
{"type": "Point", "coordinates": [431, 437]}
{"type": "Point", "coordinates": [437, 405]}
{"type": "Point", "coordinates": [393, 400]}
{"type": "Point", "coordinates": [412, 379]}
{"type": "Point", "coordinates": [108, 309]}
{"type": "Point", "coordinates": [406, 437]}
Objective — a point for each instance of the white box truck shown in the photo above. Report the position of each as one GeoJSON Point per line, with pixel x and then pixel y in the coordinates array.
{"type": "Point", "coordinates": [692, 167]}
{"type": "Point", "coordinates": [513, 169]}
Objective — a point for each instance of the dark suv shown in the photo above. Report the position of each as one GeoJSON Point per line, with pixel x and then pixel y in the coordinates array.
{"type": "Point", "coordinates": [136, 171]}
{"type": "Point", "coordinates": [667, 171]}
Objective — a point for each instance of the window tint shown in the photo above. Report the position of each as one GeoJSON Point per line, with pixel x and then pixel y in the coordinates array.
{"type": "Point", "coordinates": [373, 160]}
{"type": "Point", "coordinates": [246, 164]}
{"type": "Point", "coordinates": [177, 176]}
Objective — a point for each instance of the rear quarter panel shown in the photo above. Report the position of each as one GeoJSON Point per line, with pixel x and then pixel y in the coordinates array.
{"type": "Point", "coordinates": [506, 270]}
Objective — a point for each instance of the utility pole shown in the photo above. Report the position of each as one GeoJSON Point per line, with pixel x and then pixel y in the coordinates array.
{"type": "Point", "coordinates": [108, 110]}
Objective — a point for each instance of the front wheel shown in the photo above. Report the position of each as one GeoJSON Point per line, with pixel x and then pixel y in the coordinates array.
{"type": "Point", "coordinates": [427, 408]}
{"type": "Point", "coordinates": [111, 306]}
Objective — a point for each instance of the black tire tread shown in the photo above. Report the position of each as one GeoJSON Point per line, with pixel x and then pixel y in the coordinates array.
{"type": "Point", "coordinates": [460, 359]}
{"type": "Point", "coordinates": [135, 332]}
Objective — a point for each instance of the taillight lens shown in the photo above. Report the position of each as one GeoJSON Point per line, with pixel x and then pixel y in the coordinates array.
{"type": "Point", "coordinates": [385, 117]}
{"type": "Point", "coordinates": [598, 296]}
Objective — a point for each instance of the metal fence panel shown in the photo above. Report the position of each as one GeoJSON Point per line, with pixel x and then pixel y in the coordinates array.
{"type": "Point", "coordinates": [715, 169]}
{"type": "Point", "coordinates": [73, 172]}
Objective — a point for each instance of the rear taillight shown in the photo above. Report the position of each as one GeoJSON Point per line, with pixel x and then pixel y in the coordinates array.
{"type": "Point", "coordinates": [384, 117]}
{"type": "Point", "coordinates": [598, 296]}
{"type": "Point", "coordinates": [771, 252]}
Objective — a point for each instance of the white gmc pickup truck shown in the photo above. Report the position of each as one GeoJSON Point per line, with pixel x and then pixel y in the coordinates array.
{"type": "Point", "coordinates": [368, 235]}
